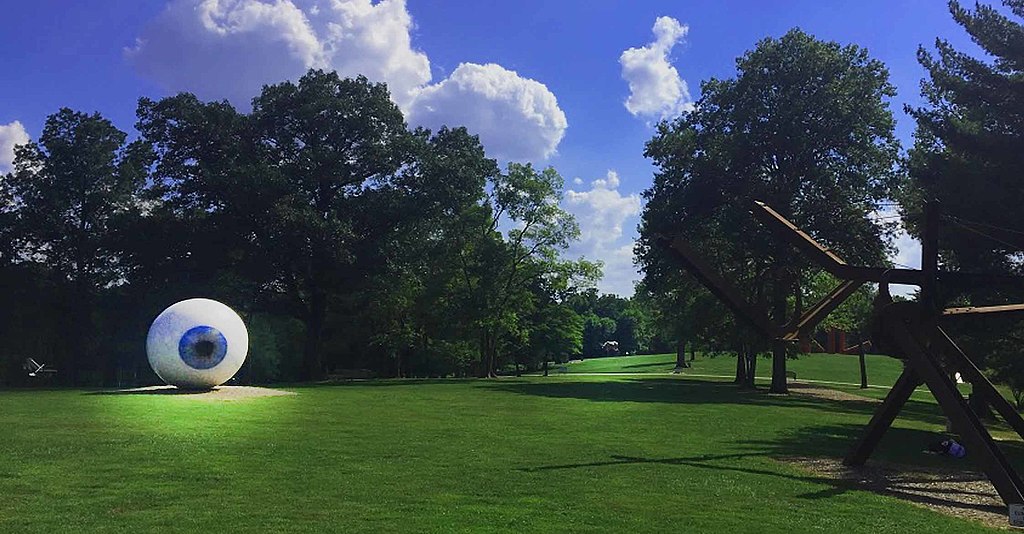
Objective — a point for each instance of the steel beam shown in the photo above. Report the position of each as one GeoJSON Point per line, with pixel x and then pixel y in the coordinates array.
{"type": "Point", "coordinates": [883, 418]}
{"type": "Point", "coordinates": [982, 310]}
{"type": "Point", "coordinates": [965, 422]}
{"type": "Point", "coordinates": [817, 313]}
{"type": "Point", "coordinates": [729, 294]}
{"type": "Point", "coordinates": [979, 381]}
{"type": "Point", "coordinates": [831, 262]}
{"type": "Point", "coordinates": [797, 237]}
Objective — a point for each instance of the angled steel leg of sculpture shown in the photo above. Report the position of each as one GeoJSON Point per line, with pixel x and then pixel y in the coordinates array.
{"type": "Point", "coordinates": [883, 418]}
{"type": "Point", "coordinates": [979, 381]}
{"type": "Point", "coordinates": [966, 423]}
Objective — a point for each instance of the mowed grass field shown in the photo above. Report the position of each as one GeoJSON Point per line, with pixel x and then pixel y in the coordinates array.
{"type": "Point", "coordinates": [882, 370]}
{"type": "Point", "coordinates": [557, 454]}
{"type": "Point", "coordinates": [836, 371]}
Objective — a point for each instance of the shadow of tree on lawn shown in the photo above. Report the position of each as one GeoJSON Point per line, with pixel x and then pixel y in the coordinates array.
{"type": "Point", "coordinates": [665, 366]}
{"type": "Point", "coordinates": [684, 390]}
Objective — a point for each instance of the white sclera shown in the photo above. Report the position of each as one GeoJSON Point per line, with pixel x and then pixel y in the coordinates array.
{"type": "Point", "coordinates": [162, 343]}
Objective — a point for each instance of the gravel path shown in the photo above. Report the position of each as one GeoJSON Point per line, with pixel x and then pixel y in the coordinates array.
{"type": "Point", "coordinates": [959, 493]}
{"type": "Point", "coordinates": [806, 388]}
{"type": "Point", "coordinates": [220, 393]}
{"type": "Point", "coordinates": [963, 494]}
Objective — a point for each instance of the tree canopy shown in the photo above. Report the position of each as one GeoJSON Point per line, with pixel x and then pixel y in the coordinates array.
{"type": "Point", "coordinates": [968, 154]}
{"type": "Point", "coordinates": [320, 216]}
{"type": "Point", "coordinates": [967, 150]}
{"type": "Point", "coordinates": [804, 126]}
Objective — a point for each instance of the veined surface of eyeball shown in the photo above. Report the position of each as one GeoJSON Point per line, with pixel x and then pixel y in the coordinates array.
{"type": "Point", "coordinates": [197, 344]}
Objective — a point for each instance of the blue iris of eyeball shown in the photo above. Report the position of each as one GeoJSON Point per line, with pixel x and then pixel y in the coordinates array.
{"type": "Point", "coordinates": [197, 344]}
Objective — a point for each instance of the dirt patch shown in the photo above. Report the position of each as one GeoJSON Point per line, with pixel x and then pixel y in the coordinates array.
{"type": "Point", "coordinates": [963, 494]}
{"type": "Point", "coordinates": [220, 393]}
{"type": "Point", "coordinates": [816, 391]}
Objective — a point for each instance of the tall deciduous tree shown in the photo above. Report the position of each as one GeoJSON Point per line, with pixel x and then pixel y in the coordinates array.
{"type": "Point", "coordinates": [416, 302]}
{"type": "Point", "coordinates": [72, 191]}
{"type": "Point", "coordinates": [498, 273]}
{"type": "Point", "coordinates": [297, 182]}
{"type": "Point", "coordinates": [327, 143]}
{"type": "Point", "coordinates": [804, 126]}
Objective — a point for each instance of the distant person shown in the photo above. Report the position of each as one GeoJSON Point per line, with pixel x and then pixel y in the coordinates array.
{"type": "Point", "coordinates": [948, 447]}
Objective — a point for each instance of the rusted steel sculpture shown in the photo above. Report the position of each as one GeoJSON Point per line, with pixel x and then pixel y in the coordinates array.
{"type": "Point", "coordinates": [911, 331]}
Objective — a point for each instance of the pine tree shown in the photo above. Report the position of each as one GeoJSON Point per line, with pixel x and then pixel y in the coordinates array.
{"type": "Point", "coordinates": [969, 155]}
{"type": "Point", "coordinates": [969, 145]}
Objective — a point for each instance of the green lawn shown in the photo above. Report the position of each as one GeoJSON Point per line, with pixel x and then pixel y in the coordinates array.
{"type": "Point", "coordinates": [838, 371]}
{"type": "Point", "coordinates": [882, 370]}
{"type": "Point", "coordinates": [556, 454]}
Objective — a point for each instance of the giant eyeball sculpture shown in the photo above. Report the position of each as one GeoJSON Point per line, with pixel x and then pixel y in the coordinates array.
{"type": "Point", "coordinates": [197, 344]}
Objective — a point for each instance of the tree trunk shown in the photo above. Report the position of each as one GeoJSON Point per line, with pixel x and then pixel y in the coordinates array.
{"type": "Point", "coordinates": [312, 361]}
{"type": "Point", "coordinates": [979, 403]}
{"type": "Point", "coordinates": [681, 354]}
{"type": "Point", "coordinates": [778, 345]}
{"type": "Point", "coordinates": [403, 363]}
{"type": "Point", "coordinates": [312, 366]}
{"type": "Point", "coordinates": [488, 355]}
{"type": "Point", "coordinates": [741, 366]}
{"type": "Point", "coordinates": [693, 351]}
{"type": "Point", "coordinates": [751, 368]}
{"type": "Point", "coordinates": [428, 364]}
{"type": "Point", "coordinates": [778, 384]}
{"type": "Point", "coordinates": [863, 368]}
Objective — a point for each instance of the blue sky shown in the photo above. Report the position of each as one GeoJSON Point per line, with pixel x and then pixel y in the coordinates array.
{"type": "Point", "coordinates": [541, 81]}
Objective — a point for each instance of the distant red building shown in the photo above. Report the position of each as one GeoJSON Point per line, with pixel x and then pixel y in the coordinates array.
{"type": "Point", "coordinates": [830, 341]}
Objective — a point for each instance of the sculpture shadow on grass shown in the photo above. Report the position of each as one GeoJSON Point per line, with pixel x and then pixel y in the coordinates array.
{"type": "Point", "coordinates": [900, 445]}
{"type": "Point", "coordinates": [899, 468]}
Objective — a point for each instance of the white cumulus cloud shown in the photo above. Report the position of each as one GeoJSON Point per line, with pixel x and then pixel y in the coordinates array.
{"type": "Point", "coordinates": [655, 88]}
{"type": "Point", "coordinates": [229, 49]}
{"type": "Point", "coordinates": [515, 117]}
{"type": "Point", "coordinates": [603, 214]}
{"type": "Point", "coordinates": [11, 134]}
{"type": "Point", "coordinates": [373, 40]}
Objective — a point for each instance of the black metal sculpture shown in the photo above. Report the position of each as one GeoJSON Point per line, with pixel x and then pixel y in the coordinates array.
{"type": "Point", "coordinates": [909, 330]}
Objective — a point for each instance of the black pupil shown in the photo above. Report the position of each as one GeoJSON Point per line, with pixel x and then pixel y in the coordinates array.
{"type": "Point", "coordinates": [204, 349]}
